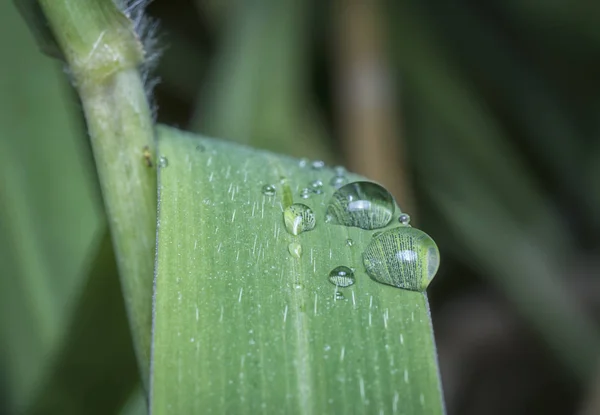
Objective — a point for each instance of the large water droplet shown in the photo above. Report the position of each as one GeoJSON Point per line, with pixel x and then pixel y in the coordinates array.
{"type": "Point", "coordinates": [295, 249]}
{"type": "Point", "coordinates": [341, 276]}
{"type": "Point", "coordinates": [163, 162]}
{"type": "Point", "coordinates": [298, 218]}
{"type": "Point", "coordinates": [404, 257]}
{"type": "Point", "coordinates": [364, 205]}
{"type": "Point", "coordinates": [269, 190]}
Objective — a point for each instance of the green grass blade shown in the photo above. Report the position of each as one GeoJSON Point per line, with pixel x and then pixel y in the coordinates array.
{"type": "Point", "coordinates": [241, 326]}
{"type": "Point", "coordinates": [49, 213]}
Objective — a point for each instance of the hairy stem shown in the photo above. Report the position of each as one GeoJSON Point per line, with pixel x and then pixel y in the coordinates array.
{"type": "Point", "coordinates": [103, 54]}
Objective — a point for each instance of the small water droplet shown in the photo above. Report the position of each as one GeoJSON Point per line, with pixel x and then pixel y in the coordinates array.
{"type": "Point", "coordinates": [339, 296]}
{"type": "Point", "coordinates": [404, 219]}
{"type": "Point", "coordinates": [339, 170]}
{"type": "Point", "coordinates": [318, 164]}
{"type": "Point", "coordinates": [349, 242]}
{"type": "Point", "coordinates": [317, 187]}
{"type": "Point", "coordinates": [364, 205]}
{"type": "Point", "coordinates": [163, 162]}
{"type": "Point", "coordinates": [298, 218]}
{"type": "Point", "coordinates": [341, 276]}
{"type": "Point", "coordinates": [295, 249]}
{"type": "Point", "coordinates": [305, 193]}
{"type": "Point", "coordinates": [303, 162]}
{"type": "Point", "coordinates": [269, 190]}
{"type": "Point", "coordinates": [200, 148]}
{"type": "Point", "coordinates": [404, 257]}
{"type": "Point", "coordinates": [298, 285]}
{"type": "Point", "coordinates": [338, 181]}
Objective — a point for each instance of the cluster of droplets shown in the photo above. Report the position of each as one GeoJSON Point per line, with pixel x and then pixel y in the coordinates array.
{"type": "Point", "coordinates": [403, 257]}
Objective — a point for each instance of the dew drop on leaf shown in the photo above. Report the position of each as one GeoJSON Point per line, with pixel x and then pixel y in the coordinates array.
{"type": "Point", "coordinates": [349, 242]}
{"type": "Point", "coordinates": [364, 205]}
{"type": "Point", "coordinates": [404, 219]}
{"type": "Point", "coordinates": [317, 165]}
{"type": "Point", "coordinates": [163, 162]}
{"type": "Point", "coordinates": [404, 257]}
{"type": "Point", "coordinates": [295, 249]}
{"type": "Point", "coordinates": [305, 193]}
{"type": "Point", "coordinates": [341, 276]}
{"type": "Point", "coordinates": [298, 218]}
{"type": "Point", "coordinates": [339, 170]}
{"type": "Point", "coordinates": [338, 181]}
{"type": "Point", "coordinates": [339, 295]}
{"type": "Point", "coordinates": [269, 190]}
{"type": "Point", "coordinates": [317, 187]}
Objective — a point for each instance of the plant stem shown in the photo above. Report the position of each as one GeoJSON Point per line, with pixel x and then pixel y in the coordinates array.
{"type": "Point", "coordinates": [103, 54]}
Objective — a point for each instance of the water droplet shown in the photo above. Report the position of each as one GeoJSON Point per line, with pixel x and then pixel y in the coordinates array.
{"type": "Point", "coordinates": [341, 276]}
{"type": "Point", "coordinates": [318, 164]}
{"type": "Point", "coordinates": [200, 148]}
{"type": "Point", "coordinates": [338, 181]}
{"type": "Point", "coordinates": [339, 170]}
{"type": "Point", "coordinates": [163, 162]}
{"type": "Point", "coordinates": [295, 249]}
{"type": "Point", "coordinates": [404, 219]}
{"type": "Point", "coordinates": [269, 190]}
{"type": "Point", "coordinates": [349, 242]}
{"type": "Point", "coordinates": [404, 257]}
{"type": "Point", "coordinates": [339, 296]}
{"type": "Point", "coordinates": [303, 162]}
{"type": "Point", "coordinates": [298, 218]}
{"type": "Point", "coordinates": [364, 205]}
{"type": "Point", "coordinates": [317, 184]}
{"type": "Point", "coordinates": [298, 285]}
{"type": "Point", "coordinates": [305, 193]}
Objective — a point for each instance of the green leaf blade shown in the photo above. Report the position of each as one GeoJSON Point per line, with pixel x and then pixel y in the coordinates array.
{"type": "Point", "coordinates": [242, 326]}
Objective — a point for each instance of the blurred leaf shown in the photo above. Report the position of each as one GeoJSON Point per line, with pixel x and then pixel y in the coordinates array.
{"type": "Point", "coordinates": [242, 326]}
{"type": "Point", "coordinates": [514, 258]}
{"type": "Point", "coordinates": [95, 370]}
{"type": "Point", "coordinates": [443, 90]}
{"type": "Point", "coordinates": [256, 91]}
{"type": "Point", "coordinates": [48, 212]}
{"type": "Point", "coordinates": [136, 404]}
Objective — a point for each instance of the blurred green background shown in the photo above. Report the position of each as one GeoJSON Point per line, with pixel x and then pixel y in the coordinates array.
{"type": "Point", "coordinates": [482, 118]}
